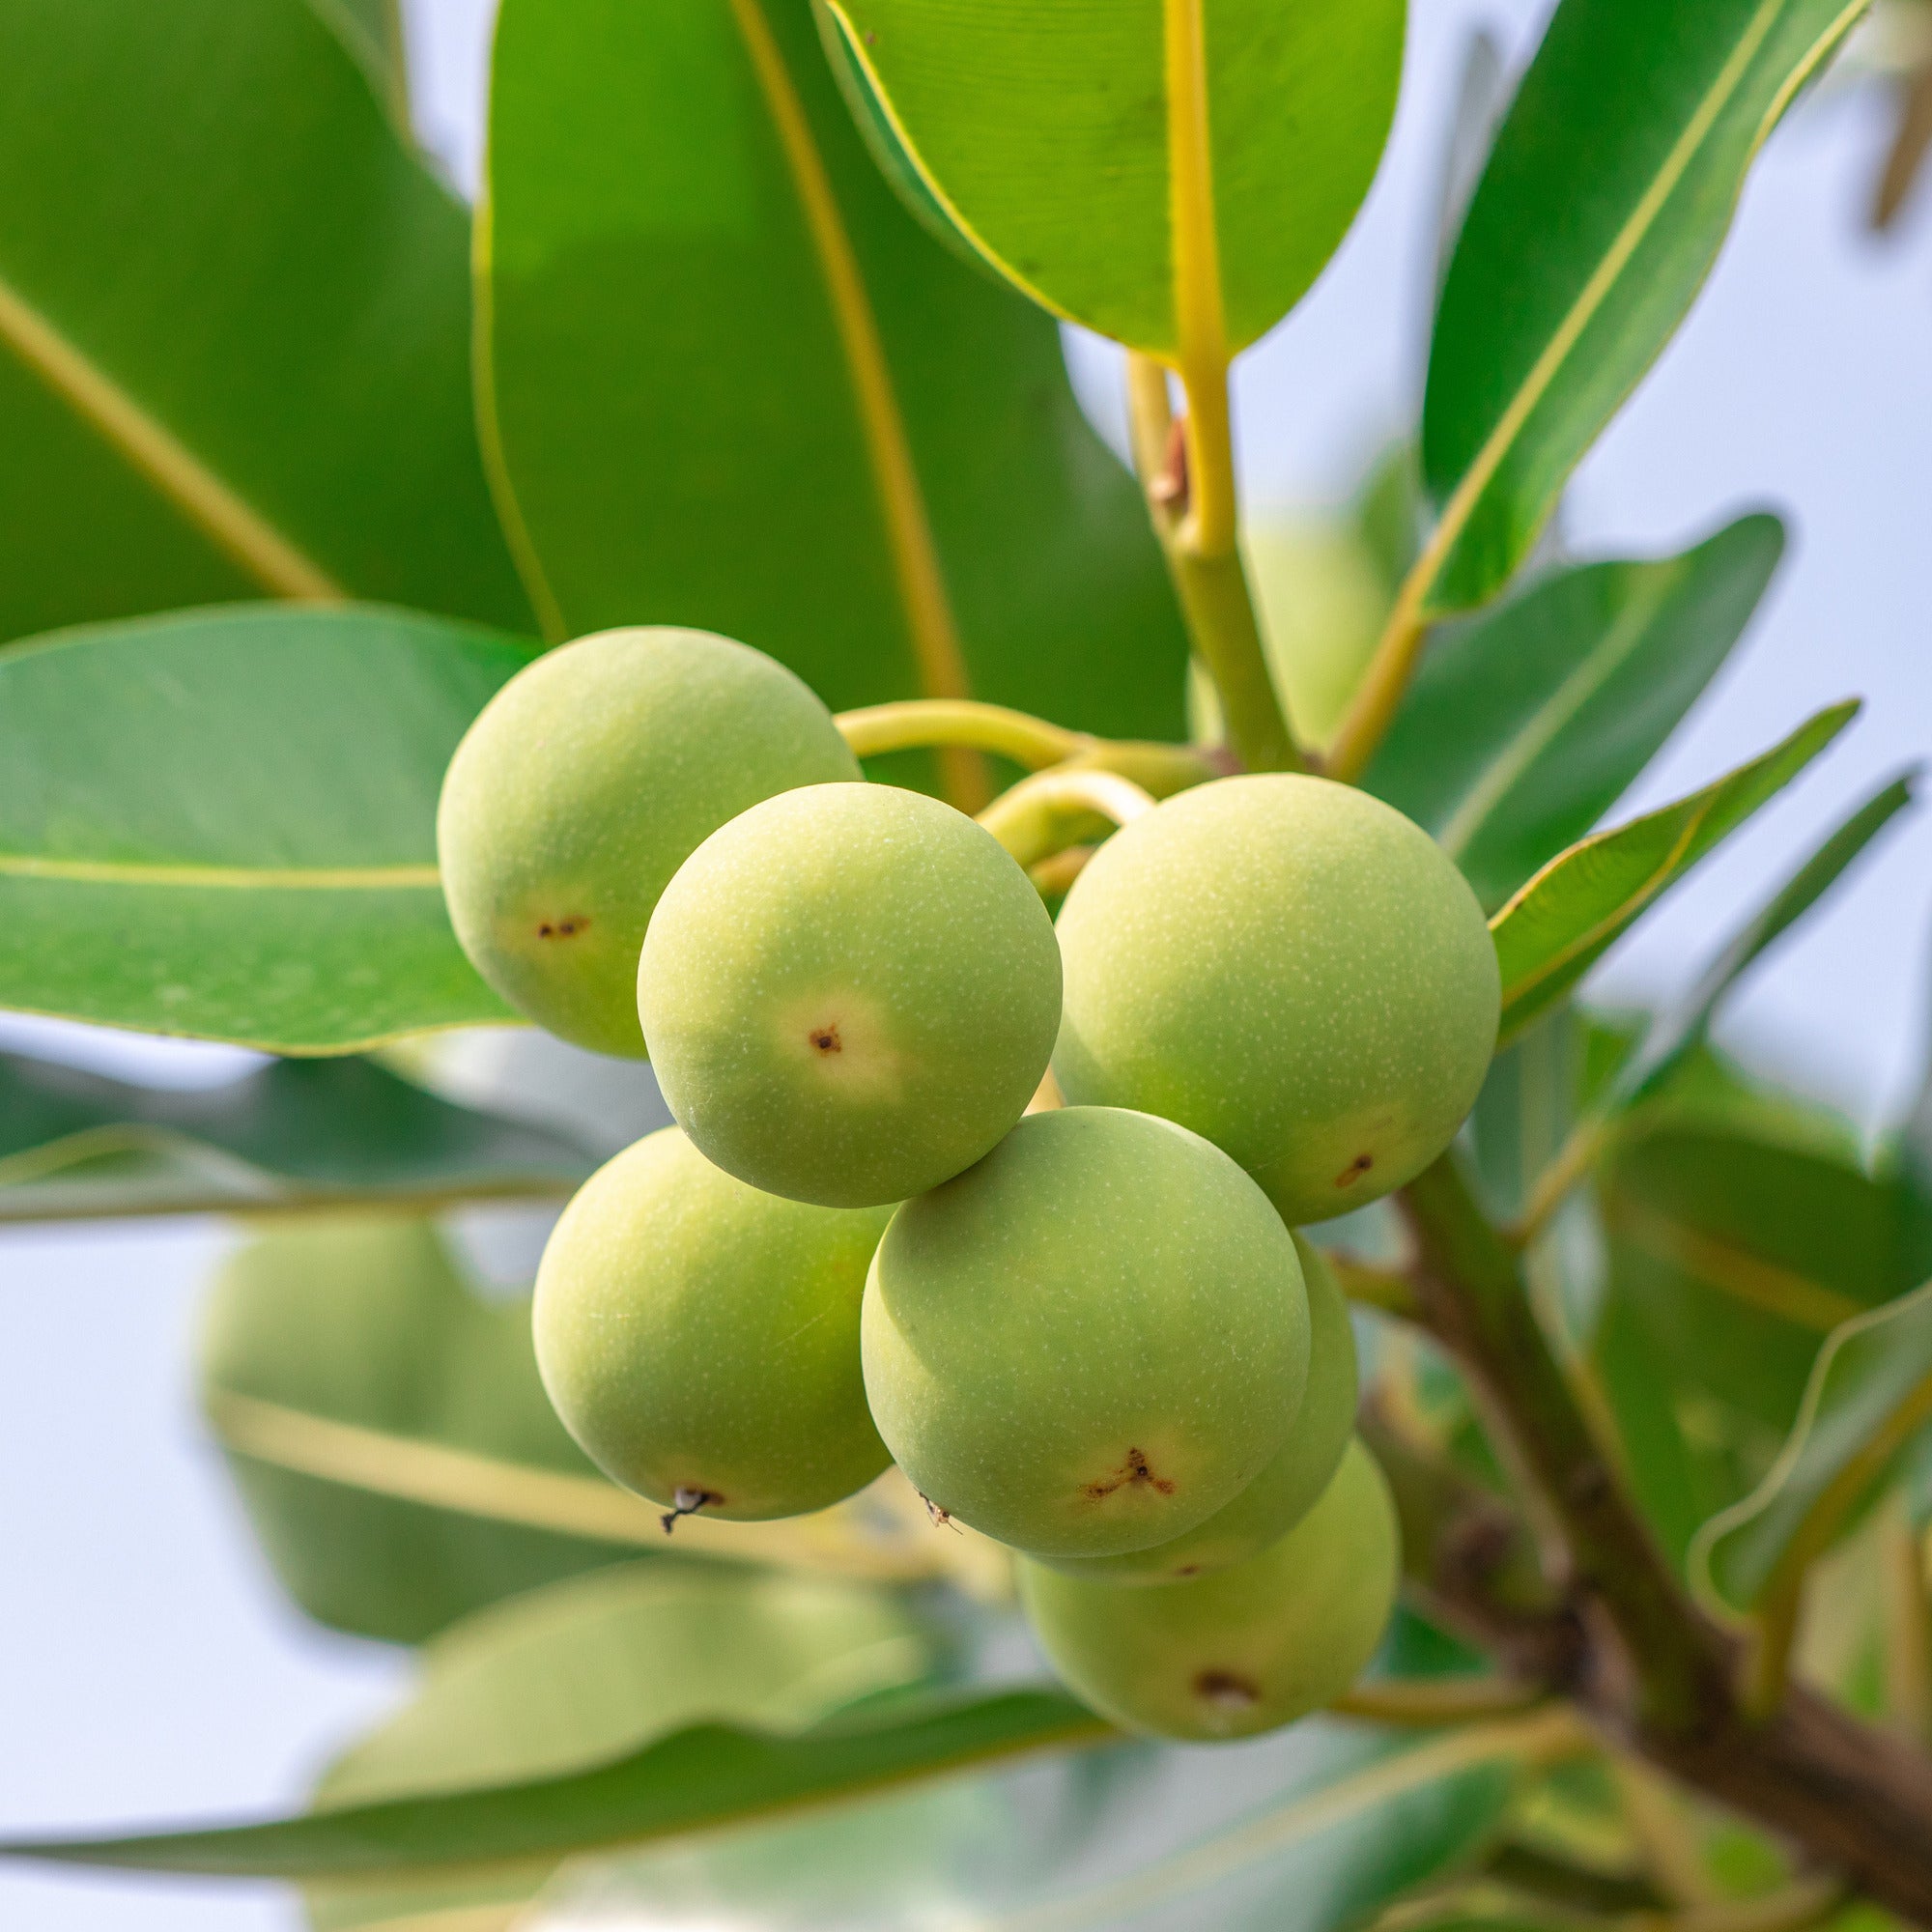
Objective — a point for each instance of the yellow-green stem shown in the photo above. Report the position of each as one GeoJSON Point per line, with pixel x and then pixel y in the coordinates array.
{"type": "Point", "coordinates": [1379, 694]}
{"type": "Point", "coordinates": [924, 723]}
{"type": "Point", "coordinates": [1050, 810]}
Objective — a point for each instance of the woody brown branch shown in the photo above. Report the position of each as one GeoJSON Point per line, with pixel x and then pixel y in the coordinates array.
{"type": "Point", "coordinates": [1588, 1606]}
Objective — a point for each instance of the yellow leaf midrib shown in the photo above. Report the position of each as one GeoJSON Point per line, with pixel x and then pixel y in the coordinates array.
{"type": "Point", "coordinates": [233, 525]}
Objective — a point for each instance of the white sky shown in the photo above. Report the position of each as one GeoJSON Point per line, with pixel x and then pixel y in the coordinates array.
{"type": "Point", "coordinates": [148, 1668]}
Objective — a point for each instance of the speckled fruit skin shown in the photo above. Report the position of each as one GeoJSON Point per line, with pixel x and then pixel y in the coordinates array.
{"type": "Point", "coordinates": [1290, 968]}
{"type": "Point", "coordinates": [850, 993]}
{"type": "Point", "coordinates": [1293, 1477]}
{"type": "Point", "coordinates": [694, 1334]}
{"type": "Point", "coordinates": [1090, 1342]}
{"type": "Point", "coordinates": [586, 782]}
{"type": "Point", "coordinates": [1245, 1650]}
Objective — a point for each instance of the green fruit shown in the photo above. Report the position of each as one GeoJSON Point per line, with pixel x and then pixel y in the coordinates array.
{"type": "Point", "coordinates": [850, 994]}
{"type": "Point", "coordinates": [1243, 1651]}
{"type": "Point", "coordinates": [587, 782]}
{"type": "Point", "coordinates": [1090, 1342]}
{"type": "Point", "coordinates": [701, 1340]}
{"type": "Point", "coordinates": [1294, 1476]}
{"type": "Point", "coordinates": [1290, 968]}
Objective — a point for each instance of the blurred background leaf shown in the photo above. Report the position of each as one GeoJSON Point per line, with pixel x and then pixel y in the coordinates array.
{"type": "Point", "coordinates": [294, 1134]}
{"type": "Point", "coordinates": [185, 847]}
{"type": "Point", "coordinates": [732, 382]}
{"type": "Point", "coordinates": [1058, 167]}
{"type": "Point", "coordinates": [1605, 199]}
{"type": "Point", "coordinates": [270, 392]}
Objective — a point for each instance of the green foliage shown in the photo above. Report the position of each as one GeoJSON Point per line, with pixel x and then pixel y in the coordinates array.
{"type": "Point", "coordinates": [293, 1134]}
{"type": "Point", "coordinates": [733, 384]}
{"type": "Point", "coordinates": [1607, 196]}
{"type": "Point", "coordinates": [187, 851]}
{"type": "Point", "coordinates": [1083, 173]}
{"type": "Point", "coordinates": [269, 394]}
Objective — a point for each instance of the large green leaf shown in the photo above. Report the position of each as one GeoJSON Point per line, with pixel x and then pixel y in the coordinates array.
{"type": "Point", "coordinates": [1524, 728]}
{"type": "Point", "coordinates": [402, 1466]}
{"type": "Point", "coordinates": [1606, 197]}
{"type": "Point", "coordinates": [234, 323]}
{"type": "Point", "coordinates": [1173, 172]}
{"type": "Point", "coordinates": [295, 1134]}
{"type": "Point", "coordinates": [567, 1677]}
{"type": "Point", "coordinates": [1868, 1397]}
{"type": "Point", "coordinates": [223, 824]}
{"type": "Point", "coordinates": [1566, 918]}
{"type": "Point", "coordinates": [732, 382]}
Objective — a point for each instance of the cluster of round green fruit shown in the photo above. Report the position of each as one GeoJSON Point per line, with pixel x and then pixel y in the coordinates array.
{"type": "Point", "coordinates": [1087, 1331]}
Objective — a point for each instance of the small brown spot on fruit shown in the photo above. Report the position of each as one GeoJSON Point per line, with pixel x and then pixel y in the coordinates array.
{"type": "Point", "coordinates": [1354, 1170]}
{"type": "Point", "coordinates": [687, 1501]}
{"type": "Point", "coordinates": [1131, 1475]}
{"type": "Point", "coordinates": [825, 1040]}
{"type": "Point", "coordinates": [1226, 1690]}
{"type": "Point", "coordinates": [1188, 1570]}
{"type": "Point", "coordinates": [563, 928]}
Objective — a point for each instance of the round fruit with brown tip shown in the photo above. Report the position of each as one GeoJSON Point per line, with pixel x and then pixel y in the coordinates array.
{"type": "Point", "coordinates": [1245, 1650]}
{"type": "Point", "coordinates": [1090, 1341]}
{"type": "Point", "coordinates": [585, 784]}
{"type": "Point", "coordinates": [1290, 968]}
{"type": "Point", "coordinates": [701, 1339]}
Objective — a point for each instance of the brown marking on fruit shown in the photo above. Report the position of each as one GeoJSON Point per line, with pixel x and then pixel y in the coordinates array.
{"type": "Point", "coordinates": [1354, 1170]}
{"type": "Point", "coordinates": [1188, 1570]}
{"type": "Point", "coordinates": [563, 928]}
{"type": "Point", "coordinates": [1226, 1690]}
{"type": "Point", "coordinates": [1131, 1475]}
{"type": "Point", "coordinates": [825, 1040]}
{"type": "Point", "coordinates": [688, 1502]}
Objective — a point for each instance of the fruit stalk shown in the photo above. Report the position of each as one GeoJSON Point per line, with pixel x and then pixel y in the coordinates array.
{"type": "Point", "coordinates": [1621, 1637]}
{"type": "Point", "coordinates": [924, 722]}
{"type": "Point", "coordinates": [1205, 560]}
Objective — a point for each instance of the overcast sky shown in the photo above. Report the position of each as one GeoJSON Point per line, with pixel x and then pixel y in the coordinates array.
{"type": "Point", "coordinates": [149, 1668]}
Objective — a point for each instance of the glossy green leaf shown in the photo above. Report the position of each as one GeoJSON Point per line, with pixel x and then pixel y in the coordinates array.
{"type": "Point", "coordinates": [1869, 1395]}
{"type": "Point", "coordinates": [695, 1779]}
{"type": "Point", "coordinates": [234, 323]}
{"type": "Point", "coordinates": [1173, 172]}
{"type": "Point", "coordinates": [223, 824]}
{"type": "Point", "coordinates": [294, 1134]}
{"type": "Point", "coordinates": [401, 1465]}
{"type": "Point", "coordinates": [1566, 918]}
{"type": "Point", "coordinates": [1606, 197]}
{"type": "Point", "coordinates": [384, 1423]}
{"type": "Point", "coordinates": [583, 1672]}
{"type": "Point", "coordinates": [732, 382]}
{"type": "Point", "coordinates": [1525, 726]}
{"type": "Point", "coordinates": [1682, 1031]}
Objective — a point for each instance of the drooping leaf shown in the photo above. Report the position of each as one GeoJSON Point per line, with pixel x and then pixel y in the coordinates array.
{"type": "Point", "coordinates": [292, 1135]}
{"type": "Point", "coordinates": [1567, 916]}
{"type": "Point", "coordinates": [233, 324]}
{"type": "Point", "coordinates": [1868, 1397]}
{"type": "Point", "coordinates": [1680, 1032]}
{"type": "Point", "coordinates": [1606, 197]}
{"type": "Point", "coordinates": [1172, 174]}
{"type": "Point", "coordinates": [570, 1676]}
{"type": "Point", "coordinates": [1525, 726]}
{"type": "Point", "coordinates": [695, 1779]}
{"type": "Point", "coordinates": [223, 824]}
{"type": "Point", "coordinates": [733, 382]}
{"type": "Point", "coordinates": [402, 1466]}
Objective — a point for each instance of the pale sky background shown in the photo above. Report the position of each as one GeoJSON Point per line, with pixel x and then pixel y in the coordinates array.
{"type": "Point", "coordinates": [150, 1670]}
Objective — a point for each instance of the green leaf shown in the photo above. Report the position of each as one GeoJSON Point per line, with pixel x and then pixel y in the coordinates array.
{"type": "Point", "coordinates": [1524, 728]}
{"type": "Point", "coordinates": [1868, 1397]}
{"type": "Point", "coordinates": [402, 1466]}
{"type": "Point", "coordinates": [295, 1134]}
{"type": "Point", "coordinates": [1605, 199]}
{"type": "Point", "coordinates": [732, 382]}
{"type": "Point", "coordinates": [1681, 1032]}
{"type": "Point", "coordinates": [1566, 918]}
{"type": "Point", "coordinates": [583, 1672]}
{"type": "Point", "coordinates": [695, 1779]}
{"type": "Point", "coordinates": [223, 824]}
{"type": "Point", "coordinates": [1174, 174]}
{"type": "Point", "coordinates": [233, 324]}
